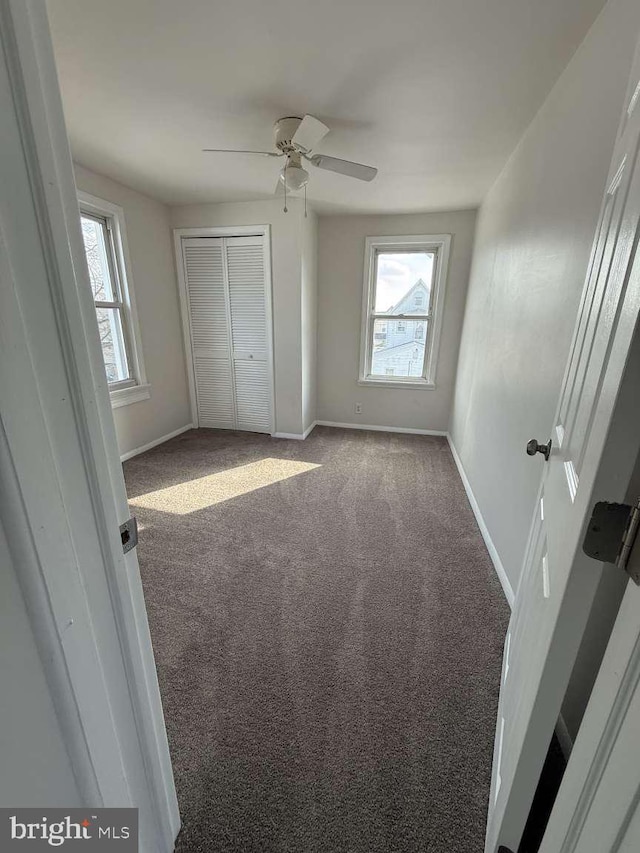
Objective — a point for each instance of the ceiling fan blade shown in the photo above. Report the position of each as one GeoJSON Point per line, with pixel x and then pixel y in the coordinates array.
{"type": "Point", "coordinates": [309, 133]}
{"type": "Point", "coordinates": [242, 151]}
{"type": "Point", "coordinates": [279, 190]}
{"type": "Point", "coordinates": [344, 167]}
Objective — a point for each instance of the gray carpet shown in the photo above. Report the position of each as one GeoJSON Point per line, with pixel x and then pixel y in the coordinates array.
{"type": "Point", "coordinates": [328, 632]}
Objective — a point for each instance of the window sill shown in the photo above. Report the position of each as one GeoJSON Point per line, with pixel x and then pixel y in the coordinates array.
{"type": "Point", "coordinates": [126, 396]}
{"type": "Point", "coordinates": [399, 383]}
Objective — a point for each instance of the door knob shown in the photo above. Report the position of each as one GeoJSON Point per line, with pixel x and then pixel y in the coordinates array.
{"type": "Point", "coordinates": [533, 447]}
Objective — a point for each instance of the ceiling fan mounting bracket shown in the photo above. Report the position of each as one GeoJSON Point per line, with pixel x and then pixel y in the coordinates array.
{"type": "Point", "coordinates": [283, 131]}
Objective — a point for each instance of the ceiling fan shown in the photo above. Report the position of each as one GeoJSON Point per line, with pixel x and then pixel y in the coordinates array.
{"type": "Point", "coordinates": [296, 139]}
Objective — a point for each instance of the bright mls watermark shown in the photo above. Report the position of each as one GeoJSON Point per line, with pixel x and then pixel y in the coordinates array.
{"type": "Point", "coordinates": [103, 830]}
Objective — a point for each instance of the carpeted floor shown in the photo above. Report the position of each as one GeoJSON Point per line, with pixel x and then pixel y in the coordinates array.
{"type": "Point", "coordinates": [328, 631]}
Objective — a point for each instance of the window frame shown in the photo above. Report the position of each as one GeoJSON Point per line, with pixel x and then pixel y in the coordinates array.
{"type": "Point", "coordinates": [136, 387]}
{"type": "Point", "coordinates": [439, 245]}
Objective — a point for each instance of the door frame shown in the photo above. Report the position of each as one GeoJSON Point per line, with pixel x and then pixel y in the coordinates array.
{"type": "Point", "coordinates": [179, 234]}
{"type": "Point", "coordinates": [60, 555]}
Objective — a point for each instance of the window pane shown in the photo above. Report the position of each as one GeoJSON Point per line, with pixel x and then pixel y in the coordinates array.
{"type": "Point", "coordinates": [95, 247]}
{"type": "Point", "coordinates": [398, 348]}
{"type": "Point", "coordinates": [112, 340]}
{"type": "Point", "coordinates": [403, 282]}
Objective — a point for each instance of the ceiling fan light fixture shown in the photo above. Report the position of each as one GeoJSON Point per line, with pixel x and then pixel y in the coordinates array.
{"type": "Point", "coordinates": [295, 178]}
{"type": "Point", "coordinates": [296, 138]}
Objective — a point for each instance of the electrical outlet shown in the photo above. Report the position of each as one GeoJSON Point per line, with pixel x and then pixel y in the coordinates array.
{"type": "Point", "coordinates": [358, 408]}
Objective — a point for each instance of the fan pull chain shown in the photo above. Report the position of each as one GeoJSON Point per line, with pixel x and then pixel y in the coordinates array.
{"type": "Point", "coordinates": [305, 201]}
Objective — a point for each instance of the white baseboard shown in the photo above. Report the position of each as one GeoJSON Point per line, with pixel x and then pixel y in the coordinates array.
{"type": "Point", "coordinates": [309, 429]}
{"type": "Point", "coordinates": [131, 453]}
{"type": "Point", "coordinates": [564, 738]}
{"type": "Point", "coordinates": [491, 548]}
{"type": "Point", "coordinates": [378, 428]}
{"type": "Point", "coordinates": [297, 436]}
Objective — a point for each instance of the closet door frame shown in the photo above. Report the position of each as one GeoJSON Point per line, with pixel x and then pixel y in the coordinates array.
{"type": "Point", "coordinates": [179, 234]}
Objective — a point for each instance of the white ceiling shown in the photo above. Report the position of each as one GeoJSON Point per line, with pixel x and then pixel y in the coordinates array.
{"type": "Point", "coordinates": [435, 93]}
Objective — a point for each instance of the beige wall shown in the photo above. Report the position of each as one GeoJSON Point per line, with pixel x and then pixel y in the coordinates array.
{"type": "Point", "coordinates": [535, 230]}
{"type": "Point", "coordinates": [154, 282]}
{"type": "Point", "coordinates": [286, 264]}
{"type": "Point", "coordinates": [533, 240]}
{"type": "Point", "coordinates": [341, 246]}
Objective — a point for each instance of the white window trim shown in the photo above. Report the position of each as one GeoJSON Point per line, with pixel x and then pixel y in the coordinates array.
{"type": "Point", "coordinates": [138, 388]}
{"type": "Point", "coordinates": [438, 243]}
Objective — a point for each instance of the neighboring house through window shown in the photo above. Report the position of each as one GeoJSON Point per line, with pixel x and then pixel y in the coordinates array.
{"type": "Point", "coordinates": [104, 237]}
{"type": "Point", "coordinates": [403, 301]}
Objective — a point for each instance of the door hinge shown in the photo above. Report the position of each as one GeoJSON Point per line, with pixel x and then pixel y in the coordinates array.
{"type": "Point", "coordinates": [611, 535]}
{"type": "Point", "coordinates": [129, 534]}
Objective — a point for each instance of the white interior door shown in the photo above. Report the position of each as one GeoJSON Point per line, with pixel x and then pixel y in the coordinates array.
{"type": "Point", "coordinates": [226, 282]}
{"type": "Point", "coordinates": [558, 582]}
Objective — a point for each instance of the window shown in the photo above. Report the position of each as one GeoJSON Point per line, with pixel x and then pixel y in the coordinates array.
{"type": "Point", "coordinates": [96, 234]}
{"type": "Point", "coordinates": [102, 225]}
{"type": "Point", "coordinates": [404, 287]}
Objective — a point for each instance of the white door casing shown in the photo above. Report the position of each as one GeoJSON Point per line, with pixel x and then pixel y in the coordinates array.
{"type": "Point", "coordinates": [597, 809]}
{"type": "Point", "coordinates": [225, 294]}
{"type": "Point", "coordinates": [558, 581]}
{"type": "Point", "coordinates": [62, 496]}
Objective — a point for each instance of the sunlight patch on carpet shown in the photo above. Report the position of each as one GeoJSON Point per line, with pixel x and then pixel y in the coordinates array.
{"type": "Point", "coordinates": [203, 492]}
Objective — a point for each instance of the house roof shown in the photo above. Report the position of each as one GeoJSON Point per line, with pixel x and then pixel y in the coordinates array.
{"type": "Point", "coordinates": [420, 283]}
{"type": "Point", "coordinates": [398, 348]}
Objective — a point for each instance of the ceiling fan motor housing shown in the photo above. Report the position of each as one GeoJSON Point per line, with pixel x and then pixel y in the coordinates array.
{"type": "Point", "coordinates": [283, 131]}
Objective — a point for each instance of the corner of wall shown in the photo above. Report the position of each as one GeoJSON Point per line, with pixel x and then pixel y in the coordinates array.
{"type": "Point", "coordinates": [309, 319]}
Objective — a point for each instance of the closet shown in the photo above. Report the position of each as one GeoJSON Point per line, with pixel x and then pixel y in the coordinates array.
{"type": "Point", "coordinates": [228, 306]}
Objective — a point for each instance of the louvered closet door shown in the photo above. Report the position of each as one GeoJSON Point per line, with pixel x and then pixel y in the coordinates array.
{"type": "Point", "coordinates": [210, 338]}
{"type": "Point", "coordinates": [249, 338]}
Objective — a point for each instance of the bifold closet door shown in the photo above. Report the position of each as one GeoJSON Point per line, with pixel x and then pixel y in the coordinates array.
{"type": "Point", "coordinates": [228, 318]}
{"type": "Point", "coordinates": [210, 338]}
{"type": "Point", "coordinates": [249, 344]}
